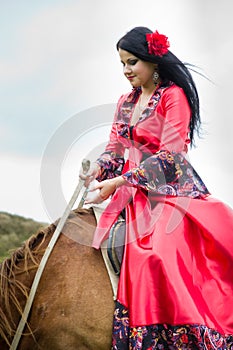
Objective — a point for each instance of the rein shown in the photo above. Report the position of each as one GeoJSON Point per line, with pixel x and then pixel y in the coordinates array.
{"type": "Point", "coordinates": [44, 259]}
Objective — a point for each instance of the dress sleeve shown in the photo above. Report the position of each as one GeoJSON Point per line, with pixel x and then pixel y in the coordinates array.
{"type": "Point", "coordinates": [111, 161]}
{"type": "Point", "coordinates": [177, 113]}
{"type": "Point", "coordinates": [168, 171]}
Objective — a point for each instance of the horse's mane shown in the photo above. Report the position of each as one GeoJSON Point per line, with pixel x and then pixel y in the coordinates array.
{"type": "Point", "coordinates": [12, 290]}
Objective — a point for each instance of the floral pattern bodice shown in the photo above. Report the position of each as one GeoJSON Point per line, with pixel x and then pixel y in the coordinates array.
{"type": "Point", "coordinates": [156, 144]}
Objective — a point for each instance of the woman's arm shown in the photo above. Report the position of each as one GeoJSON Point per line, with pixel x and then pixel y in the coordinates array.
{"type": "Point", "coordinates": [160, 168]}
{"type": "Point", "coordinates": [168, 166]}
{"type": "Point", "coordinates": [168, 171]}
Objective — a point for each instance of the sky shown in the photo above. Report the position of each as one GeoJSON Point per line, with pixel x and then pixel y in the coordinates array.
{"type": "Point", "coordinates": [60, 78]}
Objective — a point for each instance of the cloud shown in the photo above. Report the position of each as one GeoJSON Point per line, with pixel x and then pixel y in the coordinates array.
{"type": "Point", "coordinates": [73, 45]}
{"type": "Point", "coordinates": [20, 187]}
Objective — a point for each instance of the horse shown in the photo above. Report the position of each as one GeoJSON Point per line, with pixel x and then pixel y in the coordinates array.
{"type": "Point", "coordinates": [73, 306]}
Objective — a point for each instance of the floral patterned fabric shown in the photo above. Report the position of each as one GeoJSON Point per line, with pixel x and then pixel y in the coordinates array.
{"type": "Point", "coordinates": [164, 336]}
{"type": "Point", "coordinates": [169, 174]}
{"type": "Point", "coordinates": [110, 162]}
{"type": "Point", "coordinates": [129, 103]}
{"type": "Point", "coordinates": [111, 165]}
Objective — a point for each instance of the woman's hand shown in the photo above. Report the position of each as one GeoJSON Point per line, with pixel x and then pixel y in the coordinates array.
{"type": "Point", "coordinates": [90, 175]}
{"type": "Point", "coordinates": [106, 188]}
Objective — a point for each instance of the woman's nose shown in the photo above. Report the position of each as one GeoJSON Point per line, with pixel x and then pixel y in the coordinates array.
{"type": "Point", "coordinates": [127, 69]}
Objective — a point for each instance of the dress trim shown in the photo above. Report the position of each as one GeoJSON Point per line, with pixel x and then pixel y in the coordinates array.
{"type": "Point", "coordinates": [165, 336]}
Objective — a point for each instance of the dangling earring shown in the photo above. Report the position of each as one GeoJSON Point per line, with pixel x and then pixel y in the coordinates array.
{"type": "Point", "coordinates": [155, 77]}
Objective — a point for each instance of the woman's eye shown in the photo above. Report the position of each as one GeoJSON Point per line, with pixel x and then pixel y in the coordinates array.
{"type": "Point", "coordinates": [133, 62]}
{"type": "Point", "coordinates": [130, 62]}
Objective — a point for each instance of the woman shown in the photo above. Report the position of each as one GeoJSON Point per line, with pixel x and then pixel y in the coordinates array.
{"type": "Point", "coordinates": [175, 288]}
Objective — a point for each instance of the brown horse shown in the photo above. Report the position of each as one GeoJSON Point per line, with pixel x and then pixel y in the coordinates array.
{"type": "Point", "coordinates": [73, 305]}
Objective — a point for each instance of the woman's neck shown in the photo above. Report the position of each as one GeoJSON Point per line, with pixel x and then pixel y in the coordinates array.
{"type": "Point", "coordinates": [147, 91]}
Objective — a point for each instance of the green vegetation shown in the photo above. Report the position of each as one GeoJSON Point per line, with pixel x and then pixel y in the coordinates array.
{"type": "Point", "coordinates": [14, 230]}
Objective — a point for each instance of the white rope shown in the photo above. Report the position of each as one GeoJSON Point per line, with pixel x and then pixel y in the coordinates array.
{"type": "Point", "coordinates": [41, 267]}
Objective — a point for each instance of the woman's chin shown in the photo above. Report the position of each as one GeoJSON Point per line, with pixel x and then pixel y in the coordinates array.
{"type": "Point", "coordinates": [134, 85]}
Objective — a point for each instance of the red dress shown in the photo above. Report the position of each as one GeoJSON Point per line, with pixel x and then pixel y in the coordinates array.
{"type": "Point", "coordinates": [176, 286]}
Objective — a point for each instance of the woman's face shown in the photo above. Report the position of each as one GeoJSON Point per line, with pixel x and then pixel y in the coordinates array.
{"type": "Point", "coordinates": [138, 72]}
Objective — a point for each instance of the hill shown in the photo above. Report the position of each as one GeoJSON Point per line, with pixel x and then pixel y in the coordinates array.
{"type": "Point", "coordinates": [14, 230]}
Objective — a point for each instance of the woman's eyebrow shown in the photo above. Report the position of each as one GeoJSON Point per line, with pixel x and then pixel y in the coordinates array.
{"type": "Point", "coordinates": [129, 59]}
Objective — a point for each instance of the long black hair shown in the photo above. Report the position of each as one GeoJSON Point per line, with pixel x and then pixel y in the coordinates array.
{"type": "Point", "coordinates": [170, 68]}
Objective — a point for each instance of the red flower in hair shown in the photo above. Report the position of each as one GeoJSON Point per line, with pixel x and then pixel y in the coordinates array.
{"type": "Point", "coordinates": [157, 43]}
